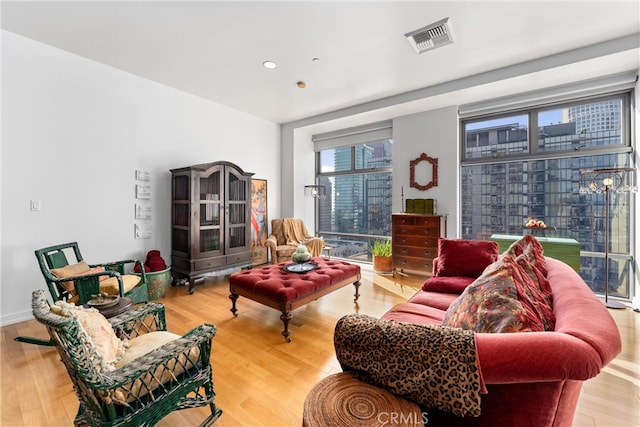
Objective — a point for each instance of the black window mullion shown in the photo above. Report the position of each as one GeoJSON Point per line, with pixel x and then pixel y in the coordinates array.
{"type": "Point", "coordinates": [534, 127]}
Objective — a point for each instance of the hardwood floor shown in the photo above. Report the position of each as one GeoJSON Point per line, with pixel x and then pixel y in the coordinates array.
{"type": "Point", "coordinates": [260, 379]}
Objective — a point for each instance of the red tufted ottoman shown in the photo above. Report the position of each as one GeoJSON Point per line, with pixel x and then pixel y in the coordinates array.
{"type": "Point", "coordinates": [285, 291]}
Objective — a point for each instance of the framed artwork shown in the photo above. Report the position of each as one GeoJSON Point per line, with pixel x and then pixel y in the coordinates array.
{"type": "Point", "coordinates": [259, 221]}
{"type": "Point", "coordinates": [143, 191]}
{"type": "Point", "coordinates": [143, 211]}
{"type": "Point", "coordinates": [142, 231]}
{"type": "Point", "coordinates": [143, 175]}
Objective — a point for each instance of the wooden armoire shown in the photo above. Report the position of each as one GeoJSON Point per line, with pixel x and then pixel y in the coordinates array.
{"type": "Point", "coordinates": [210, 219]}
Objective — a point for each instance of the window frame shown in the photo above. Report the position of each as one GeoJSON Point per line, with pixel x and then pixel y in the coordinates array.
{"type": "Point", "coordinates": [352, 170]}
{"type": "Point", "coordinates": [355, 172]}
{"type": "Point", "coordinates": [533, 152]}
{"type": "Point", "coordinates": [624, 147]}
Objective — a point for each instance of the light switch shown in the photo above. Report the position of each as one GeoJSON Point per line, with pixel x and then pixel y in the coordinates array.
{"type": "Point", "coordinates": [36, 205]}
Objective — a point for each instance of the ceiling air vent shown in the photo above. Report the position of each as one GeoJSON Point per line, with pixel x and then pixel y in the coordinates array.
{"type": "Point", "coordinates": [431, 37]}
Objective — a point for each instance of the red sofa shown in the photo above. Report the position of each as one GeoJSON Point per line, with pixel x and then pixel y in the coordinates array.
{"type": "Point", "coordinates": [531, 378]}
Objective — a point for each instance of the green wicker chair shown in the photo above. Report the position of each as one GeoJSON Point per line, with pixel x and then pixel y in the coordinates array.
{"type": "Point", "coordinates": [143, 389]}
{"type": "Point", "coordinates": [86, 285]}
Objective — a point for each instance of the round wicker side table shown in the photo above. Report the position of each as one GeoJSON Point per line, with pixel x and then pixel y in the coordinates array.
{"type": "Point", "coordinates": [342, 400]}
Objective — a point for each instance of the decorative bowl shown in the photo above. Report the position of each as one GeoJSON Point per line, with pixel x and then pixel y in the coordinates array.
{"type": "Point", "coordinates": [103, 301]}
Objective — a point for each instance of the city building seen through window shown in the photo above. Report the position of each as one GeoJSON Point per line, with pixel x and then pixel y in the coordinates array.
{"type": "Point", "coordinates": [527, 166]}
{"type": "Point", "coordinates": [357, 208]}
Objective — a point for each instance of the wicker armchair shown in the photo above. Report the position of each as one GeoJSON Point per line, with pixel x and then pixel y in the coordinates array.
{"type": "Point", "coordinates": [176, 375]}
{"type": "Point", "coordinates": [65, 280]}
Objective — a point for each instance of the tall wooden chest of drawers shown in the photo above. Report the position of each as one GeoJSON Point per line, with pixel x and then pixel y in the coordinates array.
{"type": "Point", "coordinates": [414, 239]}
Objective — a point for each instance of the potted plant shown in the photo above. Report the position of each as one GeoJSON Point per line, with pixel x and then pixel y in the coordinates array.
{"type": "Point", "coordinates": [382, 260]}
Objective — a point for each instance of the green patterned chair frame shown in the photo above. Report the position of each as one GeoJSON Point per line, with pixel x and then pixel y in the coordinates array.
{"type": "Point", "coordinates": [95, 389]}
{"type": "Point", "coordinates": [86, 285]}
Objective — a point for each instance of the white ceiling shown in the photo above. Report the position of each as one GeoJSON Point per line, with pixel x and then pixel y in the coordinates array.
{"type": "Point", "coordinates": [215, 49]}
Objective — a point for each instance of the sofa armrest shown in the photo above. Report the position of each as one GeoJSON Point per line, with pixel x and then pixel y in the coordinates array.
{"type": "Point", "coordinates": [272, 245]}
{"type": "Point", "coordinates": [584, 341]}
{"type": "Point", "coordinates": [434, 271]}
{"type": "Point", "coordinates": [526, 357]}
{"type": "Point", "coordinates": [118, 265]}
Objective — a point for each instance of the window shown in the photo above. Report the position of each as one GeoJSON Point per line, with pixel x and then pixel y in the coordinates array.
{"type": "Point", "coordinates": [529, 166]}
{"type": "Point", "coordinates": [357, 208]}
{"type": "Point", "coordinates": [496, 137]}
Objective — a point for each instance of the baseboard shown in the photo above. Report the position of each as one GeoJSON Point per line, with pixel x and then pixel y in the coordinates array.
{"type": "Point", "coordinates": [12, 318]}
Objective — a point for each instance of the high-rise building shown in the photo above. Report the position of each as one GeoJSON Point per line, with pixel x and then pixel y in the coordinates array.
{"type": "Point", "coordinates": [596, 116]}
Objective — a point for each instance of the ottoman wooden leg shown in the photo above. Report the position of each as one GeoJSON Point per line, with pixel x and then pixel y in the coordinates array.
{"type": "Point", "coordinates": [234, 297]}
{"type": "Point", "coordinates": [357, 294]}
{"type": "Point", "coordinates": [285, 317]}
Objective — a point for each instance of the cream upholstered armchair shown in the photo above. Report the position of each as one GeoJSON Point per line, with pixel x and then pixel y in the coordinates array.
{"type": "Point", "coordinates": [286, 235]}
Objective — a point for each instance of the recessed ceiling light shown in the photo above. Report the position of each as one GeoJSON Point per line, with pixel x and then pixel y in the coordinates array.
{"type": "Point", "coordinates": [269, 64]}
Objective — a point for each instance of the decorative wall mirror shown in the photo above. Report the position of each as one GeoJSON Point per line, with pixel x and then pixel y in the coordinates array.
{"type": "Point", "coordinates": [424, 169]}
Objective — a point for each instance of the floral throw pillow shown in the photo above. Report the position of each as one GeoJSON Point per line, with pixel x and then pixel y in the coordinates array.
{"type": "Point", "coordinates": [490, 304]}
{"type": "Point", "coordinates": [105, 347]}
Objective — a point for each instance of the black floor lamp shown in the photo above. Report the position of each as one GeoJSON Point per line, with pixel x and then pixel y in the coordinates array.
{"type": "Point", "coordinates": [617, 180]}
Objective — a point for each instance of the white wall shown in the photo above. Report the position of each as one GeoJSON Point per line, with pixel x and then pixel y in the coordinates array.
{"type": "Point", "coordinates": [434, 133]}
{"type": "Point", "coordinates": [73, 133]}
{"type": "Point", "coordinates": [304, 173]}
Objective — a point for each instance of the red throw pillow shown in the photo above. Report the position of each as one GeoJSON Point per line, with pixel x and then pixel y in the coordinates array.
{"type": "Point", "coordinates": [538, 290]}
{"type": "Point", "coordinates": [529, 255]}
{"type": "Point", "coordinates": [531, 246]}
{"type": "Point", "coordinates": [465, 258]}
{"type": "Point", "coordinates": [137, 269]}
{"type": "Point", "coordinates": [154, 253]}
{"type": "Point", "coordinates": [157, 264]}
{"type": "Point", "coordinates": [154, 261]}
{"type": "Point", "coordinates": [450, 285]}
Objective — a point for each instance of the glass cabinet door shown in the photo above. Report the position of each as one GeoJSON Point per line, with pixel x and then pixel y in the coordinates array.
{"type": "Point", "coordinates": [237, 210]}
{"type": "Point", "coordinates": [210, 207]}
{"type": "Point", "coordinates": [180, 214]}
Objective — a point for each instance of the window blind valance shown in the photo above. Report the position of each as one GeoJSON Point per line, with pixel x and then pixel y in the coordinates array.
{"type": "Point", "coordinates": [352, 136]}
{"type": "Point", "coordinates": [591, 87]}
